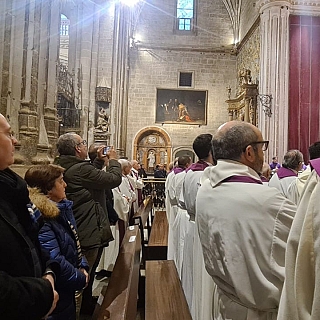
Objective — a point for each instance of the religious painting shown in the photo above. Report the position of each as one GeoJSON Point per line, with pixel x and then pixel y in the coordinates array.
{"type": "Point", "coordinates": [181, 106]}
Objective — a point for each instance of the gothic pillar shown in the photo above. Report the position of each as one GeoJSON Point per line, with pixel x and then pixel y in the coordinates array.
{"type": "Point", "coordinates": [274, 74]}
{"type": "Point", "coordinates": [120, 75]}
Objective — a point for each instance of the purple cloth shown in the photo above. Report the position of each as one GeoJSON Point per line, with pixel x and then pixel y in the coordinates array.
{"type": "Point", "coordinates": [284, 173]}
{"type": "Point", "coordinates": [274, 165]}
{"type": "Point", "coordinates": [264, 179]}
{"type": "Point", "coordinates": [243, 179]}
{"type": "Point", "coordinates": [177, 170]}
{"type": "Point", "coordinates": [198, 166]}
{"type": "Point", "coordinates": [315, 163]}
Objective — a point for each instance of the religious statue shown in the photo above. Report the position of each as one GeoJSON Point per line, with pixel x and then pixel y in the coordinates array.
{"type": "Point", "coordinates": [152, 160]}
{"type": "Point", "coordinates": [102, 121]}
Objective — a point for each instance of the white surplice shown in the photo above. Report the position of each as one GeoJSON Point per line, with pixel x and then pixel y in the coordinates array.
{"type": "Point", "coordinates": [301, 292]}
{"type": "Point", "coordinates": [243, 229]}
{"type": "Point", "coordinates": [197, 284]}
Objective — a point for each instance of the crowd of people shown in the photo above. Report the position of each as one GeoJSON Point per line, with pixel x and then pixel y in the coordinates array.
{"type": "Point", "coordinates": [244, 243]}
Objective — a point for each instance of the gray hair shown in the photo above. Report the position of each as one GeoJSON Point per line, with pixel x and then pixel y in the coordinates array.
{"type": "Point", "coordinates": [230, 143]}
{"type": "Point", "coordinates": [66, 144]}
{"type": "Point", "coordinates": [292, 159]}
{"type": "Point", "coordinates": [124, 163]}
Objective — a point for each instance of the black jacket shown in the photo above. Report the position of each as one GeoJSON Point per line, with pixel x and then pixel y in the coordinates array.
{"type": "Point", "coordinates": [23, 294]}
{"type": "Point", "coordinates": [86, 184]}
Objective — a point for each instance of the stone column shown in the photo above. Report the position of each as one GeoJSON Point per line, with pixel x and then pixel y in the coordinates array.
{"type": "Point", "coordinates": [274, 74]}
{"type": "Point", "coordinates": [120, 76]}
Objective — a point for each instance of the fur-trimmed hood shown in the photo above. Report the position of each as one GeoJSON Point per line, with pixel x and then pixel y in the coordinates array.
{"type": "Point", "coordinates": [47, 207]}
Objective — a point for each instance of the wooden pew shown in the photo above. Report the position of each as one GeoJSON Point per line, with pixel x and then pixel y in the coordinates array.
{"type": "Point", "coordinates": [164, 294]}
{"type": "Point", "coordinates": [141, 216]}
{"type": "Point", "coordinates": [120, 300]}
{"type": "Point", "coordinates": [158, 242]}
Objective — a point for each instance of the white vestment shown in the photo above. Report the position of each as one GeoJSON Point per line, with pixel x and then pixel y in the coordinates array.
{"type": "Point", "coordinates": [301, 295]}
{"type": "Point", "coordinates": [171, 210]}
{"type": "Point", "coordinates": [297, 185]}
{"type": "Point", "coordinates": [282, 184]}
{"type": "Point", "coordinates": [197, 284]}
{"type": "Point", "coordinates": [243, 228]}
{"type": "Point", "coordinates": [180, 223]}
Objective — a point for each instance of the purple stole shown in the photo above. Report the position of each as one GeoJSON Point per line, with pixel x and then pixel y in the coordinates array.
{"type": "Point", "coordinates": [198, 166]}
{"type": "Point", "coordinates": [315, 163]}
{"type": "Point", "coordinates": [243, 179]}
{"type": "Point", "coordinates": [284, 173]}
{"type": "Point", "coordinates": [264, 179]}
{"type": "Point", "coordinates": [177, 170]}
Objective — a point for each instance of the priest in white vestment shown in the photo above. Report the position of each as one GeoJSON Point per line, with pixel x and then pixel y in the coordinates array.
{"type": "Point", "coordinates": [197, 284]}
{"type": "Point", "coordinates": [301, 292]}
{"type": "Point", "coordinates": [296, 187]}
{"type": "Point", "coordinates": [292, 164]}
{"type": "Point", "coordinates": [243, 226]}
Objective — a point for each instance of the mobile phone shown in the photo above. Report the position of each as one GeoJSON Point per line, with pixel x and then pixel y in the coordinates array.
{"type": "Point", "coordinates": [105, 150]}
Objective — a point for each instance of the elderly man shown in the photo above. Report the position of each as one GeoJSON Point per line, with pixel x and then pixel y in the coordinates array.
{"type": "Point", "coordinates": [25, 293]}
{"type": "Point", "coordinates": [296, 187]}
{"type": "Point", "coordinates": [86, 184]}
{"type": "Point", "coordinates": [243, 226]}
{"type": "Point", "coordinates": [292, 164]}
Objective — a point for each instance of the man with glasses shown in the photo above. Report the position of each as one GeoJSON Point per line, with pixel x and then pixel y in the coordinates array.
{"type": "Point", "coordinates": [86, 184]}
{"type": "Point", "coordinates": [243, 226]}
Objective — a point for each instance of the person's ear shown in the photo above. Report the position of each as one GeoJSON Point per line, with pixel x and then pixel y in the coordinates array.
{"type": "Point", "coordinates": [250, 154]}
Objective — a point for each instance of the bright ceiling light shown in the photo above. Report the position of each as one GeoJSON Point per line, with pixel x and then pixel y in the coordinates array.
{"type": "Point", "coordinates": [129, 3]}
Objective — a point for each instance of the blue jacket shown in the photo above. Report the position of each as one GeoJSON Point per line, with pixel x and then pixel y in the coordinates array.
{"type": "Point", "coordinates": [59, 240]}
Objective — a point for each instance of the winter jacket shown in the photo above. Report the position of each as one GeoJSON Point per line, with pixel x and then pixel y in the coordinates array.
{"type": "Point", "coordinates": [59, 240]}
{"type": "Point", "coordinates": [86, 184]}
{"type": "Point", "coordinates": [23, 294]}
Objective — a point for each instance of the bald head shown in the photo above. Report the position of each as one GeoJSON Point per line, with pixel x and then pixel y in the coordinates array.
{"type": "Point", "coordinates": [232, 138]}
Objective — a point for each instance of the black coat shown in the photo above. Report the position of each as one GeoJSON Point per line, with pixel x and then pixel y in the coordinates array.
{"type": "Point", "coordinates": [23, 294]}
{"type": "Point", "coordinates": [86, 184]}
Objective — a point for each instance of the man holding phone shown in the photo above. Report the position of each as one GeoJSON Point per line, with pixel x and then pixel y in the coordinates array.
{"type": "Point", "coordinates": [86, 184]}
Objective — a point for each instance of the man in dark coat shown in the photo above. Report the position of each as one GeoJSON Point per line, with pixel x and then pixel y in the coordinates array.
{"type": "Point", "coordinates": [26, 287]}
{"type": "Point", "coordinates": [86, 184]}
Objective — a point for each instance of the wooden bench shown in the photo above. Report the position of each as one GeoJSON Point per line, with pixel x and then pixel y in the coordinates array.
{"type": "Point", "coordinates": [141, 217]}
{"type": "Point", "coordinates": [164, 294]}
{"type": "Point", "coordinates": [158, 242]}
{"type": "Point", "coordinates": [121, 294]}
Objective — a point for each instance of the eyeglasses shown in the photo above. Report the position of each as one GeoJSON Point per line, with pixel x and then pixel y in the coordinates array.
{"type": "Point", "coordinates": [264, 147]}
{"type": "Point", "coordinates": [84, 142]}
{"type": "Point", "coordinates": [9, 134]}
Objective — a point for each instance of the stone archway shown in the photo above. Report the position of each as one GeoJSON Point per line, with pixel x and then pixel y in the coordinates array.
{"type": "Point", "coordinates": [152, 145]}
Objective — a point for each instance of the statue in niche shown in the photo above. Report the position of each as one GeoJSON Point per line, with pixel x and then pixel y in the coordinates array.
{"type": "Point", "coordinates": [152, 160]}
{"type": "Point", "coordinates": [102, 121]}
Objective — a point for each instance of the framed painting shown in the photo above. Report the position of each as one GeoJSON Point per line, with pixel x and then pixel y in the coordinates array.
{"type": "Point", "coordinates": [181, 106]}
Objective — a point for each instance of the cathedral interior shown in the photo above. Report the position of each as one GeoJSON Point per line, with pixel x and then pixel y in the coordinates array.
{"type": "Point", "coordinates": [149, 76]}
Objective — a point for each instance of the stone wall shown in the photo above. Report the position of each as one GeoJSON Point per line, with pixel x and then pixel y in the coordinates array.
{"type": "Point", "coordinates": [249, 14]}
{"type": "Point", "coordinates": [161, 54]}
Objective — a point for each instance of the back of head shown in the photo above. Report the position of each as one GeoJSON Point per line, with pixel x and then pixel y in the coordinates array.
{"type": "Point", "coordinates": [293, 160]}
{"type": "Point", "coordinates": [314, 150]}
{"type": "Point", "coordinates": [67, 143]}
{"type": "Point", "coordinates": [202, 145]}
{"type": "Point", "coordinates": [124, 163]}
{"type": "Point", "coordinates": [232, 138]}
{"type": "Point", "coordinates": [92, 152]}
{"type": "Point", "coordinates": [184, 162]}
{"type": "Point", "coordinates": [43, 177]}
